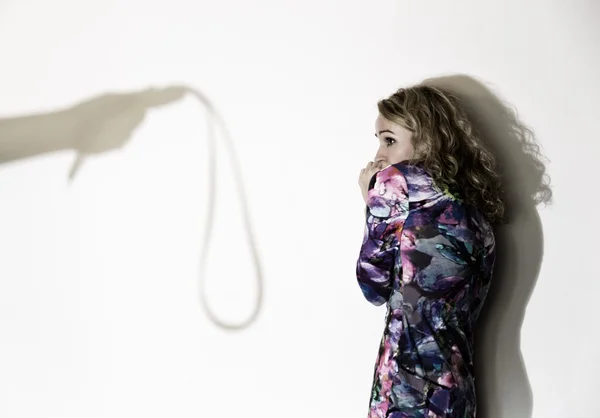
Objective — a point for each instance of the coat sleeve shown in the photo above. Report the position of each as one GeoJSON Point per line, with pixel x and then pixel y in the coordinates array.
{"type": "Point", "coordinates": [379, 257]}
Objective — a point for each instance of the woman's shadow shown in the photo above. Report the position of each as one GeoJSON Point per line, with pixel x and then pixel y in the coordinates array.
{"type": "Point", "coordinates": [503, 388]}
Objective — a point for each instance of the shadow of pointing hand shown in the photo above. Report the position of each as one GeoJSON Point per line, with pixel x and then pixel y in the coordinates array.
{"type": "Point", "coordinates": [107, 122]}
{"type": "Point", "coordinates": [97, 125]}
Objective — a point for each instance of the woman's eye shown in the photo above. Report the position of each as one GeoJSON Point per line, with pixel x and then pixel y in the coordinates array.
{"type": "Point", "coordinates": [390, 141]}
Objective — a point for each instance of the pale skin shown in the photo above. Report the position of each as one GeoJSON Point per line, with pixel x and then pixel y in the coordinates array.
{"type": "Point", "coordinates": [395, 145]}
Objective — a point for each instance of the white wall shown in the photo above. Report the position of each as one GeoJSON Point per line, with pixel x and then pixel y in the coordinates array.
{"type": "Point", "coordinates": [99, 314]}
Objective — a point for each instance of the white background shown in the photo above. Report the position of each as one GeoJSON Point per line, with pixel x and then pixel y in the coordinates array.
{"type": "Point", "coordinates": [99, 314]}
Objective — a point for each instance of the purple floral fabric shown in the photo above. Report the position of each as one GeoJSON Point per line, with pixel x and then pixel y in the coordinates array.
{"type": "Point", "coordinates": [429, 257]}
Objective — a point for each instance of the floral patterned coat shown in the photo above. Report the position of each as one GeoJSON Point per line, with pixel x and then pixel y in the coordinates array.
{"type": "Point", "coordinates": [429, 257]}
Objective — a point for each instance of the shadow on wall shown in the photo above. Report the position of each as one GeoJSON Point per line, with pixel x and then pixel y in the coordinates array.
{"type": "Point", "coordinates": [503, 388]}
{"type": "Point", "coordinates": [97, 125]}
{"type": "Point", "coordinates": [105, 123]}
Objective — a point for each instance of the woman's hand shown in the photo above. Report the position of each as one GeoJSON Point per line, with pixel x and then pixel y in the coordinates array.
{"type": "Point", "coordinates": [365, 176]}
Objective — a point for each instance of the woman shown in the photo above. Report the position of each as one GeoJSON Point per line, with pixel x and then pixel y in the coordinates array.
{"type": "Point", "coordinates": [432, 196]}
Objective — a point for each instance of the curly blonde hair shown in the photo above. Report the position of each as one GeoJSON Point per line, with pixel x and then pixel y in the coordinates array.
{"type": "Point", "coordinates": [448, 146]}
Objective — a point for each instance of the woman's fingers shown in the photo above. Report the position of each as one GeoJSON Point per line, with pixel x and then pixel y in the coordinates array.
{"type": "Point", "coordinates": [371, 168]}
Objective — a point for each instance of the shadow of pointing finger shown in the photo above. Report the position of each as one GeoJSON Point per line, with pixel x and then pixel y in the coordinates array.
{"type": "Point", "coordinates": [105, 123]}
{"type": "Point", "coordinates": [97, 125]}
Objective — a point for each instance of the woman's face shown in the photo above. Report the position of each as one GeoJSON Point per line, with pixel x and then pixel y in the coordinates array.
{"type": "Point", "coordinates": [394, 142]}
